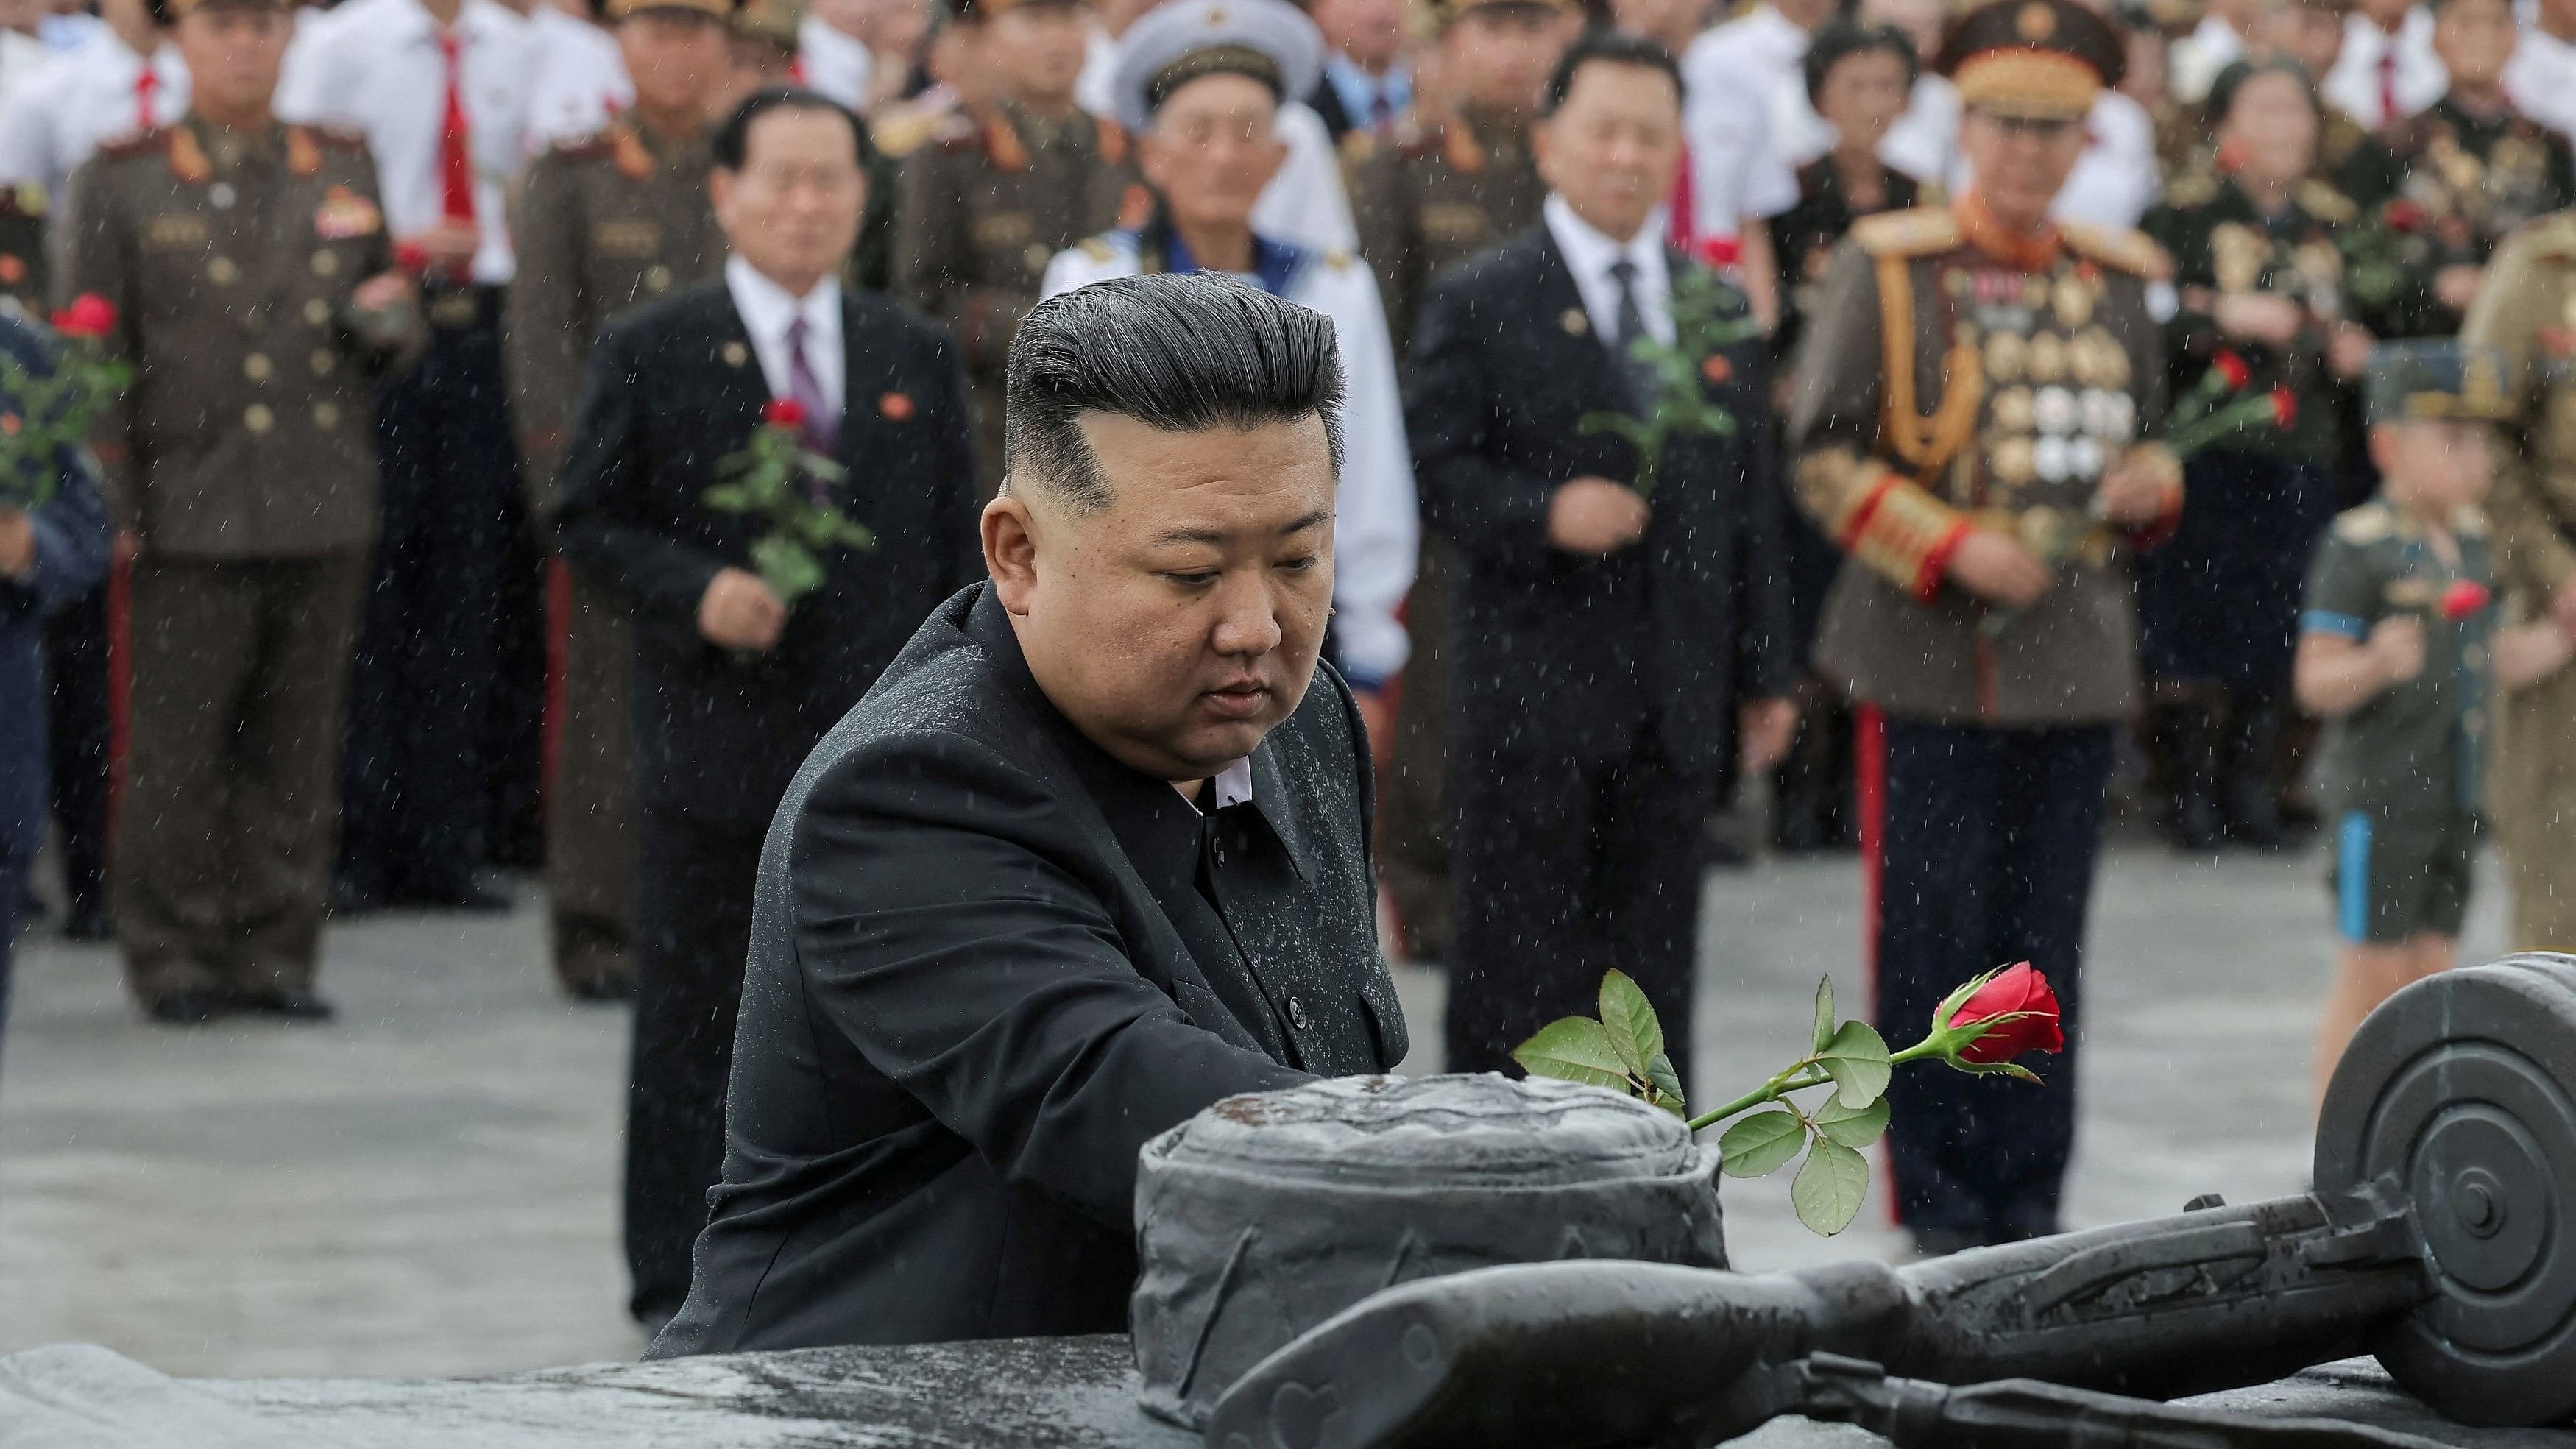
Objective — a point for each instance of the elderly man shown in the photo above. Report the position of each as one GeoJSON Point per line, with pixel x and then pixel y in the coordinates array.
{"type": "Point", "coordinates": [1093, 855]}
{"type": "Point", "coordinates": [1984, 463]}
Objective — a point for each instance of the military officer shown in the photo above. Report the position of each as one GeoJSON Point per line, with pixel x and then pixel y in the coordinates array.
{"type": "Point", "coordinates": [1001, 186]}
{"type": "Point", "coordinates": [607, 222]}
{"type": "Point", "coordinates": [1984, 463]}
{"type": "Point", "coordinates": [1448, 187]}
{"type": "Point", "coordinates": [252, 276]}
{"type": "Point", "coordinates": [2528, 311]}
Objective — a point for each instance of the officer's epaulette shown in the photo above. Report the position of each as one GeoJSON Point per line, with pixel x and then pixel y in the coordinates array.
{"type": "Point", "coordinates": [2552, 237]}
{"type": "Point", "coordinates": [2322, 201]}
{"type": "Point", "coordinates": [2366, 524]}
{"type": "Point", "coordinates": [135, 143]}
{"type": "Point", "coordinates": [2130, 251]}
{"type": "Point", "coordinates": [1914, 233]}
{"type": "Point", "coordinates": [2192, 188]}
{"type": "Point", "coordinates": [303, 151]}
{"type": "Point", "coordinates": [951, 132]}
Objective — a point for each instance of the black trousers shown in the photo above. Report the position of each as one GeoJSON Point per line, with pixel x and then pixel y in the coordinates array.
{"type": "Point", "coordinates": [1989, 839]}
{"type": "Point", "coordinates": [694, 919]}
{"type": "Point", "coordinates": [79, 731]}
{"type": "Point", "coordinates": [417, 765]}
{"type": "Point", "coordinates": [1565, 869]}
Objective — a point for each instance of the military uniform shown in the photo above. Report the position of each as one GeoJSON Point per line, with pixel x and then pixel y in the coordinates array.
{"type": "Point", "coordinates": [2444, 187]}
{"type": "Point", "coordinates": [1958, 377]}
{"type": "Point", "coordinates": [2528, 311]}
{"type": "Point", "coordinates": [986, 203]}
{"type": "Point", "coordinates": [243, 458]}
{"type": "Point", "coordinates": [607, 222]}
{"type": "Point", "coordinates": [1441, 193]}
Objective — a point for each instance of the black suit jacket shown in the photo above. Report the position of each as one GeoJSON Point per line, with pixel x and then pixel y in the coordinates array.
{"type": "Point", "coordinates": [1563, 656]}
{"type": "Point", "coordinates": [672, 390]}
{"type": "Point", "coordinates": [1326, 102]}
{"type": "Point", "coordinates": [988, 963]}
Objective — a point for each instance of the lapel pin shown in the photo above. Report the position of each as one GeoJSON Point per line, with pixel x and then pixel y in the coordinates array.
{"type": "Point", "coordinates": [896, 406]}
{"type": "Point", "coordinates": [1575, 323]}
{"type": "Point", "coordinates": [735, 354]}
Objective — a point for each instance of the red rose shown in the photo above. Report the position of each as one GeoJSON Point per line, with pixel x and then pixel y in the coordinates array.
{"type": "Point", "coordinates": [783, 412]}
{"type": "Point", "coordinates": [2285, 407]}
{"type": "Point", "coordinates": [2463, 599]}
{"type": "Point", "coordinates": [2022, 994]}
{"type": "Point", "coordinates": [1721, 252]}
{"type": "Point", "coordinates": [2232, 367]}
{"type": "Point", "coordinates": [89, 315]}
{"type": "Point", "coordinates": [2403, 216]}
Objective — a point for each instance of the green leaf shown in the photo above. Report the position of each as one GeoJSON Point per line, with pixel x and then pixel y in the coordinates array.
{"type": "Point", "coordinates": [1829, 1188]}
{"type": "Point", "coordinates": [1761, 1143]}
{"type": "Point", "coordinates": [1669, 1103]}
{"type": "Point", "coordinates": [726, 498]}
{"type": "Point", "coordinates": [1574, 1049]}
{"type": "Point", "coordinates": [1824, 1014]}
{"type": "Point", "coordinates": [1851, 1126]}
{"type": "Point", "coordinates": [1634, 1031]}
{"type": "Point", "coordinates": [1667, 1084]}
{"type": "Point", "coordinates": [1856, 1059]}
{"type": "Point", "coordinates": [790, 570]}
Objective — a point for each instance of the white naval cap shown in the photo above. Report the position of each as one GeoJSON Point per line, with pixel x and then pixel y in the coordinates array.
{"type": "Point", "coordinates": [1269, 40]}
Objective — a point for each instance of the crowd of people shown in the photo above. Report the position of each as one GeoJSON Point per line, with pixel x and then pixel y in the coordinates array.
{"type": "Point", "coordinates": [445, 316]}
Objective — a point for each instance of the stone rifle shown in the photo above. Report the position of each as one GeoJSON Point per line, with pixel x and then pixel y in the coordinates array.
{"type": "Point", "coordinates": [2440, 1236]}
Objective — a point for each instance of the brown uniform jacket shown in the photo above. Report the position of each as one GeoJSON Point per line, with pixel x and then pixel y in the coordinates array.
{"type": "Point", "coordinates": [1999, 398]}
{"type": "Point", "coordinates": [249, 430]}
{"type": "Point", "coordinates": [607, 222]}
{"type": "Point", "coordinates": [2527, 309]}
{"type": "Point", "coordinates": [1441, 193]}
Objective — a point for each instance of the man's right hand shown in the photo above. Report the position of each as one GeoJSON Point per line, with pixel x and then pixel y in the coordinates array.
{"type": "Point", "coordinates": [2397, 642]}
{"type": "Point", "coordinates": [448, 246]}
{"type": "Point", "coordinates": [1999, 570]}
{"type": "Point", "coordinates": [739, 612]}
{"type": "Point", "coordinates": [1594, 516]}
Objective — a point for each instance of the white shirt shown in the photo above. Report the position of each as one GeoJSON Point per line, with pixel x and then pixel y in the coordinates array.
{"type": "Point", "coordinates": [2114, 181]}
{"type": "Point", "coordinates": [1233, 786]}
{"type": "Point", "coordinates": [2197, 58]}
{"type": "Point", "coordinates": [2420, 80]}
{"type": "Point", "coordinates": [1765, 43]}
{"type": "Point", "coordinates": [579, 83]}
{"type": "Point", "coordinates": [81, 98]}
{"type": "Point", "coordinates": [375, 66]}
{"type": "Point", "coordinates": [1590, 254]}
{"type": "Point", "coordinates": [22, 58]}
{"type": "Point", "coordinates": [1735, 171]}
{"type": "Point", "coordinates": [1306, 203]}
{"type": "Point", "coordinates": [1095, 90]}
{"type": "Point", "coordinates": [835, 62]}
{"type": "Point", "coordinates": [1377, 530]}
{"type": "Point", "coordinates": [1924, 142]}
{"type": "Point", "coordinates": [2541, 79]}
{"type": "Point", "coordinates": [767, 311]}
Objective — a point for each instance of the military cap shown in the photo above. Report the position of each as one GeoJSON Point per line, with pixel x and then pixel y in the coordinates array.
{"type": "Point", "coordinates": [617, 10]}
{"type": "Point", "coordinates": [970, 12]}
{"type": "Point", "coordinates": [1269, 40]}
{"type": "Point", "coordinates": [772, 22]}
{"type": "Point", "coordinates": [2437, 377]}
{"type": "Point", "coordinates": [2039, 59]}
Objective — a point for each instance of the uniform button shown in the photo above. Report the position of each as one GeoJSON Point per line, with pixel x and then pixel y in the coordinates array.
{"type": "Point", "coordinates": [657, 279]}
{"type": "Point", "coordinates": [221, 271]}
{"type": "Point", "coordinates": [317, 311]}
{"type": "Point", "coordinates": [325, 263]}
{"type": "Point", "coordinates": [326, 415]}
{"type": "Point", "coordinates": [258, 418]}
{"type": "Point", "coordinates": [257, 367]}
{"type": "Point", "coordinates": [221, 194]}
{"type": "Point", "coordinates": [1297, 1013]}
{"type": "Point", "coordinates": [323, 362]}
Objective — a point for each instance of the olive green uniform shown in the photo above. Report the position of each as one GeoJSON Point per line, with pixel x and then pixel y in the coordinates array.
{"type": "Point", "coordinates": [985, 204]}
{"type": "Point", "coordinates": [606, 223]}
{"type": "Point", "coordinates": [243, 457]}
{"type": "Point", "coordinates": [2527, 310]}
{"type": "Point", "coordinates": [1441, 193]}
{"type": "Point", "coordinates": [2401, 773]}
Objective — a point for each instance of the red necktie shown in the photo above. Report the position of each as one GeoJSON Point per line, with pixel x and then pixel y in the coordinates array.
{"type": "Point", "coordinates": [1683, 227]}
{"type": "Point", "coordinates": [455, 155]}
{"type": "Point", "coordinates": [2388, 114]}
{"type": "Point", "coordinates": [145, 85]}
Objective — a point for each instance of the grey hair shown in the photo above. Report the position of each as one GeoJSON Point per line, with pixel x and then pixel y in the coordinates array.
{"type": "Point", "coordinates": [1184, 353]}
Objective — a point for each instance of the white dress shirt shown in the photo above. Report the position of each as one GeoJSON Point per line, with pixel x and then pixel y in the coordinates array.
{"type": "Point", "coordinates": [374, 66]}
{"type": "Point", "coordinates": [2541, 80]}
{"type": "Point", "coordinates": [1096, 90]}
{"type": "Point", "coordinates": [80, 98]}
{"type": "Point", "coordinates": [1765, 43]}
{"type": "Point", "coordinates": [1233, 786]}
{"type": "Point", "coordinates": [579, 79]}
{"type": "Point", "coordinates": [2197, 58]}
{"type": "Point", "coordinates": [1590, 255]}
{"type": "Point", "coordinates": [2412, 68]}
{"type": "Point", "coordinates": [1735, 170]}
{"type": "Point", "coordinates": [768, 310]}
{"type": "Point", "coordinates": [834, 62]}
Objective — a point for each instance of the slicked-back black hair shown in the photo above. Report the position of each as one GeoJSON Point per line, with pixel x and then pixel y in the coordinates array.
{"type": "Point", "coordinates": [1604, 46]}
{"type": "Point", "coordinates": [732, 141]}
{"type": "Point", "coordinates": [1839, 40]}
{"type": "Point", "coordinates": [1185, 353]}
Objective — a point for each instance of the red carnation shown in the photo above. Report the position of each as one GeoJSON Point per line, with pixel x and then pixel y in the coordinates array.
{"type": "Point", "coordinates": [783, 412]}
{"type": "Point", "coordinates": [2232, 367]}
{"type": "Point", "coordinates": [2024, 1012]}
{"type": "Point", "coordinates": [89, 315]}
{"type": "Point", "coordinates": [2285, 407]}
{"type": "Point", "coordinates": [2464, 599]}
{"type": "Point", "coordinates": [2403, 216]}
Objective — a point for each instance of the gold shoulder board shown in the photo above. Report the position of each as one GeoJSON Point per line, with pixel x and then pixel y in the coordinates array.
{"type": "Point", "coordinates": [2130, 251]}
{"type": "Point", "coordinates": [1914, 233]}
{"type": "Point", "coordinates": [2367, 524]}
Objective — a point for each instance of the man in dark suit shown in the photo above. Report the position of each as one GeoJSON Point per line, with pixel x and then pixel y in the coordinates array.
{"type": "Point", "coordinates": [732, 686]}
{"type": "Point", "coordinates": [1616, 659]}
{"type": "Point", "coordinates": [1093, 855]}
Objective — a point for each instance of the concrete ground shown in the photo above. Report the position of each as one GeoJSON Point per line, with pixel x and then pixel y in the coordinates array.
{"type": "Point", "coordinates": [430, 1186]}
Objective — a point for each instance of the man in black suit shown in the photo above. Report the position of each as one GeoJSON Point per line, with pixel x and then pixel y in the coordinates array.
{"type": "Point", "coordinates": [1617, 659]}
{"type": "Point", "coordinates": [1093, 855]}
{"type": "Point", "coordinates": [732, 687]}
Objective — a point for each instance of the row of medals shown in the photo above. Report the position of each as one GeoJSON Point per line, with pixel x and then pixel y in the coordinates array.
{"type": "Point", "coordinates": [2058, 405]}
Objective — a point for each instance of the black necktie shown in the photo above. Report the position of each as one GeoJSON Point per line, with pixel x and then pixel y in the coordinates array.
{"type": "Point", "coordinates": [1632, 325]}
